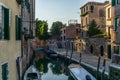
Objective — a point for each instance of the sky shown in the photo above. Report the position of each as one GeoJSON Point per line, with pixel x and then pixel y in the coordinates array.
{"type": "Point", "coordinates": [59, 10]}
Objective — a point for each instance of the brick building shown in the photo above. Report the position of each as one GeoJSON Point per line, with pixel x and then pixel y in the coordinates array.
{"type": "Point", "coordinates": [70, 33]}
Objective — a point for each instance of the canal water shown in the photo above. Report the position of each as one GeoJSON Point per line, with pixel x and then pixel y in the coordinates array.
{"type": "Point", "coordinates": [53, 68]}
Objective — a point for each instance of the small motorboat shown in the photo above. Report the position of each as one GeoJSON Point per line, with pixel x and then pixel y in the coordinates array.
{"type": "Point", "coordinates": [79, 73]}
{"type": "Point", "coordinates": [32, 74]}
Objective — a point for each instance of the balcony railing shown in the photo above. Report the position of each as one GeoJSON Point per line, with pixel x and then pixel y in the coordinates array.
{"type": "Point", "coordinates": [84, 14]}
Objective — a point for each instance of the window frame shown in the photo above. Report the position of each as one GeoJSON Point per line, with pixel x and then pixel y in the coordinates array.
{"type": "Point", "coordinates": [3, 38]}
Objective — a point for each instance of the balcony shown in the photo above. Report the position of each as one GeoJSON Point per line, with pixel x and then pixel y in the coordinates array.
{"type": "Point", "coordinates": [84, 14]}
{"type": "Point", "coordinates": [19, 1]}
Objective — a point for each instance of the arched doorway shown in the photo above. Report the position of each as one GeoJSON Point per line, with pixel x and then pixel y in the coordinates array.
{"type": "Point", "coordinates": [91, 49]}
{"type": "Point", "coordinates": [101, 50]}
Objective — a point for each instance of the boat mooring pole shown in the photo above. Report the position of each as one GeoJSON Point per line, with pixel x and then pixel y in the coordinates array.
{"type": "Point", "coordinates": [103, 71]}
{"type": "Point", "coordinates": [66, 48]}
{"type": "Point", "coordinates": [71, 52]}
{"type": "Point", "coordinates": [98, 67]}
{"type": "Point", "coordinates": [80, 58]}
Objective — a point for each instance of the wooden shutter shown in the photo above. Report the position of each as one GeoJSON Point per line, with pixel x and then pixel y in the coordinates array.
{"type": "Point", "coordinates": [4, 71]}
{"type": "Point", "coordinates": [115, 24]}
{"type": "Point", "coordinates": [6, 24]}
{"type": "Point", "coordinates": [113, 2]}
{"type": "Point", "coordinates": [18, 27]}
{"type": "Point", "coordinates": [16, 24]}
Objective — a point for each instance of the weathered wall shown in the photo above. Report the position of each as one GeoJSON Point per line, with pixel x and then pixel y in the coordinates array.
{"type": "Point", "coordinates": [10, 49]}
{"type": "Point", "coordinates": [96, 43]}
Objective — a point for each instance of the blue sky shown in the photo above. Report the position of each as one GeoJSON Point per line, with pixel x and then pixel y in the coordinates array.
{"type": "Point", "coordinates": [59, 10]}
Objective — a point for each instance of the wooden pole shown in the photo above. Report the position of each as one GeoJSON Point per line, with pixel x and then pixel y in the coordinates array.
{"type": "Point", "coordinates": [80, 58]}
{"type": "Point", "coordinates": [71, 52]}
{"type": "Point", "coordinates": [103, 71]}
{"type": "Point", "coordinates": [66, 48]}
{"type": "Point", "coordinates": [98, 67]}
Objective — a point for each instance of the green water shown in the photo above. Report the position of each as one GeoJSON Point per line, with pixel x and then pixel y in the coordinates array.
{"type": "Point", "coordinates": [54, 69]}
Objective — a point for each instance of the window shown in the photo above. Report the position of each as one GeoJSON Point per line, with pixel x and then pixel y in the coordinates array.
{"type": "Point", "coordinates": [77, 32]}
{"type": "Point", "coordinates": [64, 31]}
{"type": "Point", "coordinates": [5, 72]}
{"type": "Point", "coordinates": [64, 38]}
{"type": "Point", "coordinates": [116, 23]}
{"type": "Point", "coordinates": [116, 49]}
{"type": "Point", "coordinates": [86, 8]}
{"type": "Point", "coordinates": [4, 23]}
{"type": "Point", "coordinates": [18, 27]}
{"type": "Point", "coordinates": [91, 8]}
{"type": "Point", "coordinates": [109, 12]}
{"type": "Point", "coordinates": [117, 1]}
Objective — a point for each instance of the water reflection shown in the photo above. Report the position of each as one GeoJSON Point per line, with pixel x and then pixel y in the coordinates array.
{"type": "Point", "coordinates": [53, 69]}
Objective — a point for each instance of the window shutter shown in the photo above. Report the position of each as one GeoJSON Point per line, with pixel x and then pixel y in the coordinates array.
{"type": "Point", "coordinates": [113, 2]}
{"type": "Point", "coordinates": [115, 24]}
{"type": "Point", "coordinates": [18, 28]}
{"type": "Point", "coordinates": [4, 72]}
{"type": "Point", "coordinates": [16, 24]}
{"type": "Point", "coordinates": [6, 24]}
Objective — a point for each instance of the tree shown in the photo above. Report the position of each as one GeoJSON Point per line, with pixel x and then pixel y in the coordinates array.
{"type": "Point", "coordinates": [55, 29]}
{"type": "Point", "coordinates": [93, 29]}
{"type": "Point", "coordinates": [42, 29]}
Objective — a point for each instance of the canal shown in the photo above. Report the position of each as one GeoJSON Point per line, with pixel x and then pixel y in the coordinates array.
{"type": "Point", "coordinates": [53, 68]}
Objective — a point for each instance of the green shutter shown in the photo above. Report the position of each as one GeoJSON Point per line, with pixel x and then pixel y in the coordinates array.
{"type": "Point", "coordinates": [16, 24]}
{"type": "Point", "coordinates": [4, 72]}
{"type": "Point", "coordinates": [113, 2]}
{"type": "Point", "coordinates": [6, 24]}
{"type": "Point", "coordinates": [115, 24]}
{"type": "Point", "coordinates": [116, 49]}
{"type": "Point", "coordinates": [18, 28]}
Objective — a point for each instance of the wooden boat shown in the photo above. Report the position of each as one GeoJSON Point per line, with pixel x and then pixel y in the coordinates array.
{"type": "Point", "coordinates": [32, 74]}
{"type": "Point", "coordinates": [79, 73]}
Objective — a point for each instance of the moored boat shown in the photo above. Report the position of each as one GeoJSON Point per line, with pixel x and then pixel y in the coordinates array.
{"type": "Point", "coordinates": [79, 73]}
{"type": "Point", "coordinates": [32, 74]}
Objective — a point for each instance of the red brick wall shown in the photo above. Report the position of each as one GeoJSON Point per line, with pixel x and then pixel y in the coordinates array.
{"type": "Point", "coordinates": [71, 31]}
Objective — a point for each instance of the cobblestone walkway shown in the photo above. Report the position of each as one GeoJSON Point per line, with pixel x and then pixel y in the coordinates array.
{"type": "Point", "coordinates": [86, 59]}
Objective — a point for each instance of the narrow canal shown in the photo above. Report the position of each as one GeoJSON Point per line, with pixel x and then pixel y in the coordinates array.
{"type": "Point", "coordinates": [53, 68]}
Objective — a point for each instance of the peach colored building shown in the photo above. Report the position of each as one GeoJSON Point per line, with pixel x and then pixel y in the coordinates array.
{"type": "Point", "coordinates": [10, 39]}
{"type": "Point", "coordinates": [89, 12]}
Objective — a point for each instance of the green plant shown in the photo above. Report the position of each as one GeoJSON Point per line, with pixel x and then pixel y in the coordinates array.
{"type": "Point", "coordinates": [93, 30]}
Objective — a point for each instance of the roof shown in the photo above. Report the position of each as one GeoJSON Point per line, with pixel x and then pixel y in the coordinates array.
{"type": "Point", "coordinates": [97, 3]}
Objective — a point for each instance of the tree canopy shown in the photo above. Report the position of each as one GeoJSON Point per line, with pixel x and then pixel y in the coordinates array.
{"type": "Point", "coordinates": [93, 29]}
{"type": "Point", "coordinates": [42, 29]}
{"type": "Point", "coordinates": [55, 28]}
